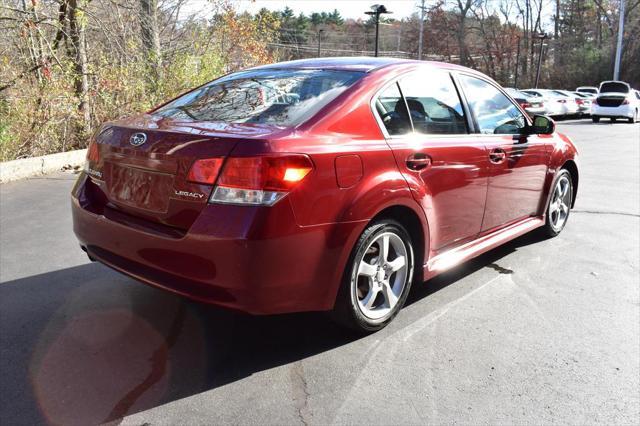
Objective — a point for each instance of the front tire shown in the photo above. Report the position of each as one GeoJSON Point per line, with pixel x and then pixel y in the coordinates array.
{"type": "Point", "coordinates": [595, 119]}
{"type": "Point", "coordinates": [559, 205]}
{"type": "Point", "coordinates": [377, 278]}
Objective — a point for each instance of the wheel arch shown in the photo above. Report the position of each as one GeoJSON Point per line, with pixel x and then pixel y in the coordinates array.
{"type": "Point", "coordinates": [572, 168]}
{"type": "Point", "coordinates": [416, 227]}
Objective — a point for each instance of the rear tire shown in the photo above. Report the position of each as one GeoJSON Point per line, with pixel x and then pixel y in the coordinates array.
{"type": "Point", "coordinates": [377, 278]}
{"type": "Point", "coordinates": [595, 119]}
{"type": "Point", "coordinates": [559, 205]}
{"type": "Point", "coordinates": [613, 120]}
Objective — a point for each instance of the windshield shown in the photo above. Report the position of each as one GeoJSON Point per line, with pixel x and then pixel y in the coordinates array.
{"type": "Point", "coordinates": [614, 87]}
{"type": "Point", "coordinates": [272, 96]}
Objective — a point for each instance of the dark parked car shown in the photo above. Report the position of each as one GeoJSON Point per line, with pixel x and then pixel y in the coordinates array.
{"type": "Point", "coordinates": [532, 104]}
{"type": "Point", "coordinates": [321, 185]}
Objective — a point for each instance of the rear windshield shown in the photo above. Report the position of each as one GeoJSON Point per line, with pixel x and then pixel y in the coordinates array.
{"type": "Point", "coordinates": [592, 91]}
{"type": "Point", "coordinates": [279, 97]}
{"type": "Point", "coordinates": [614, 87]}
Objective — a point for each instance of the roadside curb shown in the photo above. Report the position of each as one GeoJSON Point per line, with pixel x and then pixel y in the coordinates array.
{"type": "Point", "coordinates": [34, 166]}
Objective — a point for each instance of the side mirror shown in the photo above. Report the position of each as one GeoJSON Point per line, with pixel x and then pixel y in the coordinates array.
{"type": "Point", "coordinates": [543, 125]}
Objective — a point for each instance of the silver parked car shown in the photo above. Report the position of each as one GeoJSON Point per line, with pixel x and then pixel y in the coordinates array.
{"type": "Point", "coordinates": [557, 105]}
{"type": "Point", "coordinates": [588, 90]}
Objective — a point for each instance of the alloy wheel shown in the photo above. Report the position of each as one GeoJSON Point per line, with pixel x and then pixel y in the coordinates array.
{"type": "Point", "coordinates": [381, 276]}
{"type": "Point", "coordinates": [560, 203]}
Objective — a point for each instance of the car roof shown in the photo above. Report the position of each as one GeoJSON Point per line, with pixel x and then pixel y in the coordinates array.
{"type": "Point", "coordinates": [355, 63]}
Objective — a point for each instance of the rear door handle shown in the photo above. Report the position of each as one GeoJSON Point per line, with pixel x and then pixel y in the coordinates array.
{"type": "Point", "coordinates": [418, 161]}
{"type": "Point", "coordinates": [497, 155]}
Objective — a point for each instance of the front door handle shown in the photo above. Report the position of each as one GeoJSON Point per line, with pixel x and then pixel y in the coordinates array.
{"type": "Point", "coordinates": [497, 155]}
{"type": "Point", "coordinates": [418, 161]}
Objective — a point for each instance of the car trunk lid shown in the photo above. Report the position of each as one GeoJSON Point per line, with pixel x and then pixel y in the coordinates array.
{"type": "Point", "coordinates": [144, 166]}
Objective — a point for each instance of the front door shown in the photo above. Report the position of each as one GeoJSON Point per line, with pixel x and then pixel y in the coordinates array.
{"type": "Point", "coordinates": [517, 162]}
{"type": "Point", "coordinates": [444, 165]}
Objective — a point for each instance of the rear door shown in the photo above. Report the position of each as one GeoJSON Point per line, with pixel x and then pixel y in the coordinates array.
{"type": "Point", "coordinates": [444, 165]}
{"type": "Point", "coordinates": [517, 161]}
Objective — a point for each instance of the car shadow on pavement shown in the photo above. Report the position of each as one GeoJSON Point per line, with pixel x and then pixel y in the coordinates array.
{"type": "Point", "coordinates": [86, 345]}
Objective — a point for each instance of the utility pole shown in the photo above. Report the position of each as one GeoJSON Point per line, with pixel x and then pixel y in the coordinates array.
{"type": "Point", "coordinates": [616, 67]}
{"type": "Point", "coordinates": [542, 37]}
{"type": "Point", "coordinates": [421, 30]}
{"type": "Point", "coordinates": [377, 10]}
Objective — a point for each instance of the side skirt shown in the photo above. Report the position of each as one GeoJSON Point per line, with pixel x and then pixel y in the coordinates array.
{"type": "Point", "coordinates": [455, 256]}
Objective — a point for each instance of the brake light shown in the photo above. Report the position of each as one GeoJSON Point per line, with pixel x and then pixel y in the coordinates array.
{"type": "Point", "coordinates": [625, 102]}
{"type": "Point", "coordinates": [93, 152]}
{"type": "Point", "coordinates": [595, 101]}
{"type": "Point", "coordinates": [525, 105]}
{"type": "Point", "coordinates": [260, 180]}
{"type": "Point", "coordinates": [205, 171]}
{"type": "Point", "coordinates": [579, 101]}
{"type": "Point", "coordinates": [93, 158]}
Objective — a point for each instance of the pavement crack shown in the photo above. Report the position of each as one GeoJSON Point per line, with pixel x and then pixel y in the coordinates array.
{"type": "Point", "coordinates": [302, 391]}
{"type": "Point", "coordinates": [606, 212]}
{"type": "Point", "coordinates": [500, 269]}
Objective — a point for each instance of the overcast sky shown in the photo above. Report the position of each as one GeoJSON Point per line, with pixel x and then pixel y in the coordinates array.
{"type": "Point", "coordinates": [348, 8]}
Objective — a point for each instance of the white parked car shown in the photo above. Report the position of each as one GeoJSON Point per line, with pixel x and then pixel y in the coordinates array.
{"type": "Point", "coordinates": [589, 90]}
{"type": "Point", "coordinates": [557, 104]}
{"type": "Point", "coordinates": [616, 99]}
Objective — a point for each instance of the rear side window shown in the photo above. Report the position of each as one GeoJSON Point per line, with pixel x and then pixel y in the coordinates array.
{"type": "Point", "coordinates": [614, 87]}
{"type": "Point", "coordinates": [433, 103]}
{"type": "Point", "coordinates": [392, 110]}
{"type": "Point", "coordinates": [272, 96]}
{"type": "Point", "coordinates": [493, 111]}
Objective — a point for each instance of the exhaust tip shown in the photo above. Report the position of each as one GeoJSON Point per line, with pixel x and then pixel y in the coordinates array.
{"type": "Point", "coordinates": [84, 249]}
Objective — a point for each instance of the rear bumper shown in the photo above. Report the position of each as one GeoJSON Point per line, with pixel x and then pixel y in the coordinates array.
{"type": "Point", "coordinates": [622, 111]}
{"type": "Point", "coordinates": [252, 259]}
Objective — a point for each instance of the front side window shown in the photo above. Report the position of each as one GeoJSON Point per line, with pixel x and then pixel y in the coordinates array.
{"type": "Point", "coordinates": [434, 103]}
{"type": "Point", "coordinates": [392, 110]}
{"type": "Point", "coordinates": [272, 96]}
{"type": "Point", "coordinates": [493, 111]}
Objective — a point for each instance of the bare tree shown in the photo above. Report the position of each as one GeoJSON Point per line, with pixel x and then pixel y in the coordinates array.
{"type": "Point", "coordinates": [77, 31]}
{"type": "Point", "coordinates": [151, 37]}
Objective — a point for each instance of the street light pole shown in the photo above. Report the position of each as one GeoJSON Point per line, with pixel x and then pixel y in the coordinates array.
{"type": "Point", "coordinates": [515, 83]}
{"type": "Point", "coordinates": [616, 66]}
{"type": "Point", "coordinates": [542, 37]}
{"type": "Point", "coordinates": [377, 10]}
{"type": "Point", "coordinates": [319, 35]}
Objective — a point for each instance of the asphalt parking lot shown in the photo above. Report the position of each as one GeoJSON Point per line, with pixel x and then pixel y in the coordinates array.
{"type": "Point", "coordinates": [537, 331]}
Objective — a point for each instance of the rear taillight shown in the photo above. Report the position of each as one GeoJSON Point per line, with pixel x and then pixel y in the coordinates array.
{"type": "Point", "coordinates": [93, 152]}
{"type": "Point", "coordinates": [562, 101]}
{"type": "Point", "coordinates": [625, 102]}
{"type": "Point", "coordinates": [579, 101]}
{"type": "Point", "coordinates": [93, 158]}
{"type": "Point", "coordinates": [525, 105]}
{"type": "Point", "coordinates": [594, 102]}
{"type": "Point", "coordinates": [205, 171]}
{"type": "Point", "coordinates": [260, 180]}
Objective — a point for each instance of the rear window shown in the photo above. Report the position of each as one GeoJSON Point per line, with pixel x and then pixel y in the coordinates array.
{"type": "Point", "coordinates": [279, 97]}
{"type": "Point", "coordinates": [614, 87]}
{"type": "Point", "coordinates": [592, 91]}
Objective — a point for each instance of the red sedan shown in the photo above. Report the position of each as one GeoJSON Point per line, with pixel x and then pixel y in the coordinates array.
{"type": "Point", "coordinates": [328, 184]}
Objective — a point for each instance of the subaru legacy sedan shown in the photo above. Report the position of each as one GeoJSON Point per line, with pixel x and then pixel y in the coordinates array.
{"type": "Point", "coordinates": [321, 185]}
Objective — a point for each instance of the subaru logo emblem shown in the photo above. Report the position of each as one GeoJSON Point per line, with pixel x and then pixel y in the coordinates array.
{"type": "Point", "coordinates": [137, 139]}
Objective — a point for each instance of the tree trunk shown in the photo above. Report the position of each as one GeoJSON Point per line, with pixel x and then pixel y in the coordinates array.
{"type": "Point", "coordinates": [151, 39]}
{"type": "Point", "coordinates": [77, 26]}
